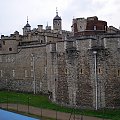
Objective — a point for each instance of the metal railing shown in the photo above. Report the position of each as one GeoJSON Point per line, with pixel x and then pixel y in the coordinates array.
{"type": "Point", "coordinates": [16, 103]}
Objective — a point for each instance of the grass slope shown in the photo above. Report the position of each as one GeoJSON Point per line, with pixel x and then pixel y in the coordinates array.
{"type": "Point", "coordinates": [43, 102]}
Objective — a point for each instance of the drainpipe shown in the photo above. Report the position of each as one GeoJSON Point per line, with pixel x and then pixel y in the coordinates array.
{"type": "Point", "coordinates": [96, 84]}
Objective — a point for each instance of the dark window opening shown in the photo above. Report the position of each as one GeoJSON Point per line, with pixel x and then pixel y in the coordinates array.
{"type": "Point", "coordinates": [41, 41]}
{"type": "Point", "coordinates": [10, 49]}
{"type": "Point", "coordinates": [99, 70]}
{"type": "Point", "coordinates": [67, 72]}
{"type": "Point", "coordinates": [118, 72]}
{"type": "Point", "coordinates": [3, 42]}
{"type": "Point", "coordinates": [67, 35]}
{"type": "Point", "coordinates": [81, 71]}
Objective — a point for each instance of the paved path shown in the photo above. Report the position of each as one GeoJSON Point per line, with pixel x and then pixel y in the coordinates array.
{"type": "Point", "coordinates": [46, 112]}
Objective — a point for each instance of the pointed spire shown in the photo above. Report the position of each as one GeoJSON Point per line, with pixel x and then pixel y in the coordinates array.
{"type": "Point", "coordinates": [56, 11]}
{"type": "Point", "coordinates": [57, 17]}
{"type": "Point", "coordinates": [27, 25]}
{"type": "Point", "coordinates": [47, 26]}
{"type": "Point", "coordinates": [27, 19]}
{"type": "Point", "coordinates": [47, 23]}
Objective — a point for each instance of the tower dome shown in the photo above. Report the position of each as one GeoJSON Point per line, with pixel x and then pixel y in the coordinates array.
{"type": "Point", "coordinates": [27, 25]}
{"type": "Point", "coordinates": [57, 17]}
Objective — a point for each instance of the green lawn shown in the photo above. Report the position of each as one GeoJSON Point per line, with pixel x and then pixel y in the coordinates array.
{"type": "Point", "coordinates": [43, 102]}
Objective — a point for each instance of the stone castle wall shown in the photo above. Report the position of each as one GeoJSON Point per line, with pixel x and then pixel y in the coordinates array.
{"type": "Point", "coordinates": [66, 70]}
{"type": "Point", "coordinates": [74, 84]}
{"type": "Point", "coordinates": [17, 69]}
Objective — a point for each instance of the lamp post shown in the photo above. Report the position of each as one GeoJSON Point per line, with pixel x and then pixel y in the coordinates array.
{"type": "Point", "coordinates": [96, 82]}
{"type": "Point", "coordinates": [34, 82]}
{"type": "Point", "coordinates": [34, 58]}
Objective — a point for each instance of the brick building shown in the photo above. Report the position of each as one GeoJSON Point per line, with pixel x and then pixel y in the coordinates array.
{"type": "Point", "coordinates": [89, 26]}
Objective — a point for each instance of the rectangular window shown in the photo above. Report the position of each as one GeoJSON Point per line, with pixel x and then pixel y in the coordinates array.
{"type": "Point", "coordinates": [12, 59]}
{"type": "Point", "coordinates": [105, 42]}
{"type": "Point", "coordinates": [50, 47]}
{"type": "Point", "coordinates": [0, 58]}
{"type": "Point", "coordinates": [46, 39]}
{"type": "Point", "coordinates": [13, 71]}
{"type": "Point", "coordinates": [31, 63]}
{"type": "Point", "coordinates": [90, 43]}
{"type": "Point", "coordinates": [54, 47]}
{"type": "Point", "coordinates": [3, 42]}
{"type": "Point", "coordinates": [6, 59]}
{"type": "Point", "coordinates": [9, 59]}
{"type": "Point", "coordinates": [66, 71]}
{"type": "Point", "coordinates": [1, 73]}
{"type": "Point", "coordinates": [99, 70]}
{"type": "Point", "coordinates": [45, 69]}
{"type": "Point", "coordinates": [118, 43]}
{"type": "Point", "coordinates": [41, 41]}
{"type": "Point", "coordinates": [81, 71]}
{"type": "Point", "coordinates": [10, 49]}
{"type": "Point", "coordinates": [95, 27]}
{"type": "Point", "coordinates": [31, 73]}
{"type": "Point", "coordinates": [26, 75]}
{"type": "Point", "coordinates": [65, 46]}
{"type": "Point", "coordinates": [77, 45]}
{"type": "Point", "coordinates": [118, 73]}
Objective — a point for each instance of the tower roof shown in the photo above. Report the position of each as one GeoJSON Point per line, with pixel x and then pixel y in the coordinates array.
{"type": "Point", "coordinates": [27, 25]}
{"type": "Point", "coordinates": [57, 17]}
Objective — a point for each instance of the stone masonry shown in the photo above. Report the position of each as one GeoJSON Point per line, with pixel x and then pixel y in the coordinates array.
{"type": "Point", "coordinates": [76, 71]}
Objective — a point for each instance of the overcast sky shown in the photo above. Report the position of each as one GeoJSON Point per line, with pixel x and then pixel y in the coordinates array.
{"type": "Point", "coordinates": [13, 13]}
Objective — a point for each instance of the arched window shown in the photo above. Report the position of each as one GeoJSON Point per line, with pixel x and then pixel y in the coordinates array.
{"type": "Point", "coordinates": [41, 41]}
